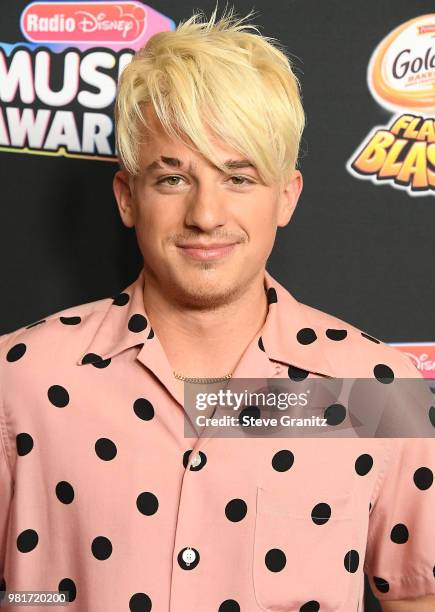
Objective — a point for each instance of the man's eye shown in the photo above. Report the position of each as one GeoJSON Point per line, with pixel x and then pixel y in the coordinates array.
{"type": "Point", "coordinates": [167, 178]}
{"type": "Point", "coordinates": [243, 178]}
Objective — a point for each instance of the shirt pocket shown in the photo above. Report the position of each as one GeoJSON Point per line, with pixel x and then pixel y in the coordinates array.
{"type": "Point", "coordinates": [303, 551]}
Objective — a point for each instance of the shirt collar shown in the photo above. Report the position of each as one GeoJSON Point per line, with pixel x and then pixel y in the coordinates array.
{"type": "Point", "coordinates": [289, 334]}
{"type": "Point", "coordinates": [286, 337]}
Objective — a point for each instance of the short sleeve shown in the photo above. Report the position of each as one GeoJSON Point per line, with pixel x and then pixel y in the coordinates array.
{"type": "Point", "coordinates": [400, 554]}
{"type": "Point", "coordinates": [5, 491]}
{"type": "Point", "coordinates": [6, 484]}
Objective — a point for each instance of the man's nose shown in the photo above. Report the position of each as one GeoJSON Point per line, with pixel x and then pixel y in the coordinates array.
{"type": "Point", "coordinates": [206, 208]}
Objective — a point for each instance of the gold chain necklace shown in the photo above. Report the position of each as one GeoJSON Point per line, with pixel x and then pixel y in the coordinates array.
{"type": "Point", "coordinates": [191, 379]}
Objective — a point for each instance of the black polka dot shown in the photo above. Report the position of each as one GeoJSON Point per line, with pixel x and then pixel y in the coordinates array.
{"type": "Point", "coordinates": [229, 605]}
{"type": "Point", "coordinates": [370, 338]}
{"type": "Point", "coordinates": [363, 464]}
{"type": "Point", "coordinates": [321, 513]}
{"type": "Point", "coordinates": [36, 323]}
{"type": "Point", "coordinates": [2, 588]}
{"type": "Point", "coordinates": [90, 358]}
{"type": "Point", "coordinates": [102, 363]}
{"type": "Point", "coordinates": [27, 540]}
{"type": "Point", "coordinates": [432, 415]}
{"type": "Point", "coordinates": [143, 409]}
{"type": "Point", "coordinates": [186, 456]}
{"type": "Point", "coordinates": [282, 460]}
{"type": "Point", "coordinates": [351, 561]}
{"type": "Point", "coordinates": [297, 374]}
{"type": "Point", "coordinates": [101, 548]}
{"type": "Point", "coordinates": [64, 492]}
{"type": "Point", "coordinates": [235, 510]}
{"type": "Point", "coordinates": [140, 602]}
{"type": "Point", "coordinates": [251, 413]}
{"type": "Point", "coordinates": [335, 414]}
{"type": "Point", "coordinates": [306, 335]}
{"type": "Point", "coordinates": [58, 396]}
{"type": "Point", "coordinates": [137, 323]}
{"type": "Point", "coordinates": [70, 320]}
{"type": "Point", "coordinates": [423, 478]}
{"type": "Point", "coordinates": [271, 295]}
{"type": "Point", "coordinates": [381, 584]}
{"type": "Point", "coordinates": [336, 334]}
{"type": "Point", "coordinates": [275, 560]}
{"type": "Point", "coordinates": [147, 503]}
{"type": "Point", "coordinates": [24, 442]}
{"type": "Point", "coordinates": [66, 584]}
{"type": "Point", "coordinates": [260, 344]}
{"type": "Point", "coordinates": [151, 334]}
{"type": "Point", "coordinates": [399, 534]}
{"type": "Point", "coordinates": [96, 360]}
{"type": "Point", "coordinates": [16, 352]}
{"type": "Point", "coordinates": [121, 299]}
{"type": "Point", "coordinates": [383, 373]}
{"type": "Point", "coordinates": [105, 449]}
{"type": "Point", "coordinates": [310, 606]}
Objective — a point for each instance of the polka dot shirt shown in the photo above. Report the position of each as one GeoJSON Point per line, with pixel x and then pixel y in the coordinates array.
{"type": "Point", "coordinates": [104, 498]}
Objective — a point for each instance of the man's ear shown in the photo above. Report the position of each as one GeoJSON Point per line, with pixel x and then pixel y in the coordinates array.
{"type": "Point", "coordinates": [288, 198]}
{"type": "Point", "coordinates": [123, 190]}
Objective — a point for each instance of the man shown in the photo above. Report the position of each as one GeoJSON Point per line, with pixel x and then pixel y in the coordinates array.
{"type": "Point", "coordinates": [102, 495]}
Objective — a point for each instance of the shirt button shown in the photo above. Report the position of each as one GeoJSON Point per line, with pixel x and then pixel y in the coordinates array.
{"type": "Point", "coordinates": [188, 558]}
{"type": "Point", "coordinates": [199, 459]}
{"type": "Point", "coordinates": [196, 460]}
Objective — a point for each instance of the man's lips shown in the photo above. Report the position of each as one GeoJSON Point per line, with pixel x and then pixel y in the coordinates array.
{"type": "Point", "coordinates": [207, 251]}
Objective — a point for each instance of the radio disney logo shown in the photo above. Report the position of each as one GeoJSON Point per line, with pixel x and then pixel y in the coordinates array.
{"type": "Point", "coordinates": [422, 362]}
{"type": "Point", "coordinates": [90, 22]}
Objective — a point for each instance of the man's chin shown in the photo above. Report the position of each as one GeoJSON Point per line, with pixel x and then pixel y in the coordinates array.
{"type": "Point", "coordinates": [202, 294]}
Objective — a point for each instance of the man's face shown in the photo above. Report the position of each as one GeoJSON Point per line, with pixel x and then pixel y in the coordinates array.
{"type": "Point", "coordinates": [175, 204]}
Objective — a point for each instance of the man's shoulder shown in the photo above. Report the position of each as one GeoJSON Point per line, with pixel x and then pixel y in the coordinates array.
{"type": "Point", "coordinates": [349, 347]}
{"type": "Point", "coordinates": [66, 329]}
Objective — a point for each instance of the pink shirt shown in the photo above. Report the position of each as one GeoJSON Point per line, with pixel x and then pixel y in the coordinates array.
{"type": "Point", "coordinates": [102, 496]}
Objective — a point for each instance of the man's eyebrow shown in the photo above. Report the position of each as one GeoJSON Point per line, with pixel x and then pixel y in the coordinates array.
{"type": "Point", "coordinates": [174, 162]}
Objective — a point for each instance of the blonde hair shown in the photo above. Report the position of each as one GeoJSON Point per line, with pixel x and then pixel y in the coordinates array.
{"type": "Point", "coordinates": [220, 75]}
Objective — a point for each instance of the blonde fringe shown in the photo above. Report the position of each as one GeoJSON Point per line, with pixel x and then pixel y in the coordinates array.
{"type": "Point", "coordinates": [220, 74]}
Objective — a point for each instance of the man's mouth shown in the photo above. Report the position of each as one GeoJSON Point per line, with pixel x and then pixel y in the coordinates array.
{"type": "Point", "coordinates": [203, 252]}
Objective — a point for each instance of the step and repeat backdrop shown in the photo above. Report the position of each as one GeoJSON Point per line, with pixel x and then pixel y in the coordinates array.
{"type": "Point", "coordinates": [361, 244]}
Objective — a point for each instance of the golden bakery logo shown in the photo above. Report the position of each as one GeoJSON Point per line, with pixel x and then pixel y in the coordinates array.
{"type": "Point", "coordinates": [401, 78]}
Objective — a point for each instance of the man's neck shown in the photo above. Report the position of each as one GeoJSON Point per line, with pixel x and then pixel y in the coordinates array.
{"type": "Point", "coordinates": [207, 343]}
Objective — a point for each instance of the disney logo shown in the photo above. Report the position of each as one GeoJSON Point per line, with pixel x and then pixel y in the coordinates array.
{"type": "Point", "coordinates": [422, 362]}
{"type": "Point", "coordinates": [99, 22]}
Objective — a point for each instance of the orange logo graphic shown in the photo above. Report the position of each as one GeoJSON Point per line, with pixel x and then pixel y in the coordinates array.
{"type": "Point", "coordinates": [401, 78]}
{"type": "Point", "coordinates": [401, 72]}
